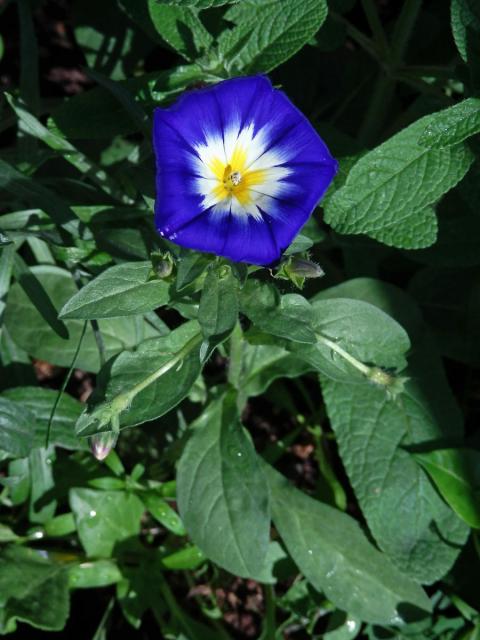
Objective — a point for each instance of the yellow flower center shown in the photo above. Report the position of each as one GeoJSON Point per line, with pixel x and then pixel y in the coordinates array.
{"type": "Point", "coordinates": [231, 179]}
{"type": "Point", "coordinates": [234, 178]}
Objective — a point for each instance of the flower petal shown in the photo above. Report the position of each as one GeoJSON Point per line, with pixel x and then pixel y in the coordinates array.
{"type": "Point", "coordinates": [243, 128]}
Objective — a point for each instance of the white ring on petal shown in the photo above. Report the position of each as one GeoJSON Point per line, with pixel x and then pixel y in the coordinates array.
{"type": "Point", "coordinates": [216, 153]}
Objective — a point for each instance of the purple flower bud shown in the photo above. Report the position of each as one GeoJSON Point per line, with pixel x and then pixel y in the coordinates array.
{"type": "Point", "coordinates": [102, 443]}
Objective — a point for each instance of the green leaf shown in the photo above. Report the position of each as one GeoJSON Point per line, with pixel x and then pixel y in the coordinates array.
{"type": "Point", "coordinates": [465, 16]}
{"type": "Point", "coordinates": [190, 266]}
{"type": "Point", "coordinates": [299, 244]}
{"type": "Point", "coordinates": [359, 328]}
{"type": "Point", "coordinates": [342, 626]}
{"type": "Point", "coordinates": [218, 310]}
{"type": "Point", "coordinates": [35, 194]}
{"type": "Point", "coordinates": [253, 368]}
{"type": "Point", "coordinates": [104, 519]}
{"type": "Point", "coordinates": [132, 367]}
{"type": "Point", "coordinates": [4, 240]}
{"type": "Point", "coordinates": [126, 99]}
{"type": "Point", "coordinates": [7, 534]}
{"type": "Point", "coordinates": [198, 4]}
{"type": "Point", "coordinates": [107, 42]}
{"type": "Point", "coordinates": [389, 192]}
{"type": "Point", "coordinates": [62, 525]}
{"type": "Point", "coordinates": [18, 480]}
{"type": "Point", "coordinates": [91, 575]}
{"type": "Point", "coordinates": [30, 331]}
{"type": "Point", "coordinates": [452, 125]}
{"type": "Point", "coordinates": [40, 401]}
{"type": "Point", "coordinates": [456, 474]}
{"type": "Point", "coordinates": [187, 558]}
{"type": "Point", "coordinates": [121, 290]}
{"type": "Point", "coordinates": [405, 515]}
{"type": "Point", "coordinates": [32, 589]}
{"type": "Point", "coordinates": [57, 142]}
{"type": "Point", "coordinates": [97, 114]}
{"type": "Point", "coordinates": [334, 554]}
{"type": "Point", "coordinates": [38, 296]}
{"type": "Point", "coordinates": [17, 426]}
{"type": "Point", "coordinates": [268, 32]}
{"type": "Point", "coordinates": [288, 316]}
{"type": "Point", "coordinates": [42, 503]}
{"type": "Point", "coordinates": [180, 27]}
{"type": "Point", "coordinates": [221, 491]}
{"type": "Point", "coordinates": [163, 512]}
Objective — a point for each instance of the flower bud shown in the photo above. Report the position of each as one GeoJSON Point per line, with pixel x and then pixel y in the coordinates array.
{"type": "Point", "coordinates": [303, 268]}
{"type": "Point", "coordinates": [102, 443]}
{"type": "Point", "coordinates": [297, 269]}
{"type": "Point", "coordinates": [162, 264]}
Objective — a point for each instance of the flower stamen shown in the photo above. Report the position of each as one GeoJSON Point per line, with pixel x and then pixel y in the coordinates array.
{"type": "Point", "coordinates": [231, 179]}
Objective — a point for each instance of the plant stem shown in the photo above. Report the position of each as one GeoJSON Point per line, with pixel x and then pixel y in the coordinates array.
{"type": "Point", "coordinates": [385, 85]}
{"type": "Point", "coordinates": [79, 281]}
{"type": "Point", "coordinates": [64, 385]}
{"type": "Point", "coordinates": [360, 38]}
{"type": "Point", "coordinates": [270, 623]}
{"type": "Point", "coordinates": [363, 368]}
{"type": "Point", "coordinates": [214, 620]}
{"type": "Point", "coordinates": [125, 399]}
{"type": "Point", "coordinates": [99, 340]}
{"type": "Point", "coordinates": [176, 611]}
{"type": "Point", "coordinates": [99, 633]}
{"type": "Point", "coordinates": [376, 27]}
{"type": "Point", "coordinates": [403, 29]}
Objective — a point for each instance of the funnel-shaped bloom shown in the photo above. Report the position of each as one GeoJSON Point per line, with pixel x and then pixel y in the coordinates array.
{"type": "Point", "coordinates": [239, 170]}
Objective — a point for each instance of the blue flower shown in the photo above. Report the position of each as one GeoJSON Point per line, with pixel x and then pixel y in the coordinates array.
{"type": "Point", "coordinates": [239, 170]}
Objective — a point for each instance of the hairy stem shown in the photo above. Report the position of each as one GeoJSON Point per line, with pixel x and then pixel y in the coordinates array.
{"type": "Point", "coordinates": [363, 368]}
{"type": "Point", "coordinates": [124, 399]}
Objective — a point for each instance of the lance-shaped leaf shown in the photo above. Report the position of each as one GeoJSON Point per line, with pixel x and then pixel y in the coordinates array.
{"type": "Point", "coordinates": [31, 191]}
{"type": "Point", "coordinates": [358, 328]}
{"type": "Point", "coordinates": [334, 554]}
{"type": "Point", "coordinates": [405, 514]}
{"type": "Point", "coordinates": [17, 428]}
{"type": "Point", "coordinates": [122, 290]}
{"type": "Point", "coordinates": [289, 316]}
{"type": "Point", "coordinates": [56, 141]}
{"type": "Point", "coordinates": [119, 380]}
{"type": "Point", "coordinates": [456, 474]}
{"type": "Point", "coordinates": [32, 333]}
{"type": "Point", "coordinates": [465, 18]}
{"type": "Point", "coordinates": [222, 492]}
{"type": "Point", "coordinates": [218, 310]}
{"type": "Point", "coordinates": [39, 401]}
